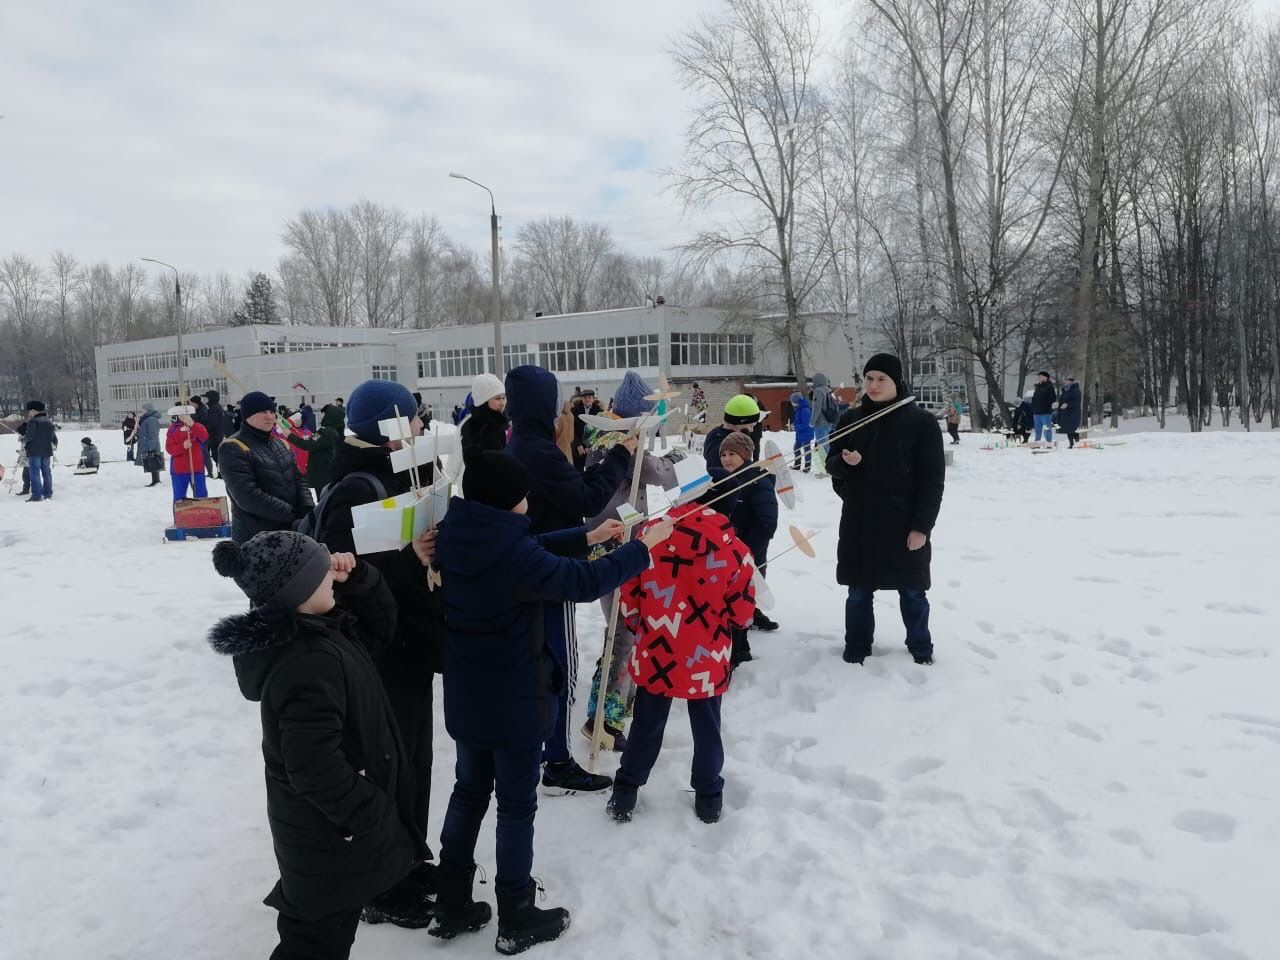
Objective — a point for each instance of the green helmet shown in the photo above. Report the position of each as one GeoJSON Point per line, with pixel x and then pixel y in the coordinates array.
{"type": "Point", "coordinates": [741, 409]}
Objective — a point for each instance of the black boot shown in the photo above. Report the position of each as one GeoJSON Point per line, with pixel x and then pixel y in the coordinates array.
{"type": "Point", "coordinates": [408, 904]}
{"type": "Point", "coordinates": [623, 801]}
{"type": "Point", "coordinates": [708, 806]}
{"type": "Point", "coordinates": [455, 911]}
{"type": "Point", "coordinates": [521, 925]}
{"type": "Point", "coordinates": [760, 620]}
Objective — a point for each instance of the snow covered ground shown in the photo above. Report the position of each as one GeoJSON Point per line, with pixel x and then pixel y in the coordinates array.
{"type": "Point", "coordinates": [1091, 769]}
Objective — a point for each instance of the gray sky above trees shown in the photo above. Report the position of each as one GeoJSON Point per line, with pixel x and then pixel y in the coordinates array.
{"type": "Point", "coordinates": [192, 132]}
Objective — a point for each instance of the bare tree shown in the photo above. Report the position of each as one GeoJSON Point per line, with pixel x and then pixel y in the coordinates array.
{"type": "Point", "coordinates": [379, 235]}
{"type": "Point", "coordinates": [26, 290]}
{"type": "Point", "coordinates": [325, 256]}
{"type": "Point", "coordinates": [563, 257]}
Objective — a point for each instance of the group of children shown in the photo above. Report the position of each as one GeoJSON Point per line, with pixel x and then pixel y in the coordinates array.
{"type": "Point", "coordinates": [336, 763]}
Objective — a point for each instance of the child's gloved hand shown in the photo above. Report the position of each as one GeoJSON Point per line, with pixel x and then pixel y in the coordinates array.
{"type": "Point", "coordinates": [342, 564]}
{"type": "Point", "coordinates": [658, 533]}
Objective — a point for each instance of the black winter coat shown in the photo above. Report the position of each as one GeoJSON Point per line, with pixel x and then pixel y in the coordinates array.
{"type": "Point", "coordinates": [1043, 400]}
{"type": "Point", "coordinates": [41, 438]}
{"type": "Point", "coordinates": [500, 680]}
{"type": "Point", "coordinates": [484, 429]}
{"type": "Point", "coordinates": [560, 496]}
{"type": "Point", "coordinates": [755, 514]}
{"type": "Point", "coordinates": [339, 785]}
{"type": "Point", "coordinates": [215, 421]}
{"type": "Point", "coordinates": [896, 488]}
{"type": "Point", "coordinates": [263, 482]}
{"type": "Point", "coordinates": [419, 647]}
{"type": "Point", "coordinates": [1069, 408]}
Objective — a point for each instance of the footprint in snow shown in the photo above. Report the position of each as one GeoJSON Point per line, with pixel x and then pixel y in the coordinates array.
{"type": "Point", "coordinates": [1050, 684]}
{"type": "Point", "coordinates": [1209, 826]}
{"type": "Point", "coordinates": [986, 627]}
{"type": "Point", "coordinates": [1080, 730]}
{"type": "Point", "coordinates": [1080, 679]}
{"type": "Point", "coordinates": [984, 651]}
{"type": "Point", "coordinates": [1220, 606]}
{"type": "Point", "coordinates": [1153, 631]}
{"type": "Point", "coordinates": [914, 767]}
{"type": "Point", "coordinates": [1130, 838]}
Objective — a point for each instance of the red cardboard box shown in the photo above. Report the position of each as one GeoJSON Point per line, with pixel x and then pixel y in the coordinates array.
{"type": "Point", "coordinates": [200, 513]}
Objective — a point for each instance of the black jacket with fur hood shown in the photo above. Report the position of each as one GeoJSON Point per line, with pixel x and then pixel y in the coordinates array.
{"type": "Point", "coordinates": [339, 786]}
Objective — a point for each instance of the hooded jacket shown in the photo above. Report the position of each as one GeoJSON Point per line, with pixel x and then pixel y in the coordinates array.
{"type": "Point", "coordinates": [339, 787]}
{"type": "Point", "coordinates": [215, 421]}
{"type": "Point", "coordinates": [500, 679]}
{"type": "Point", "coordinates": [148, 433]}
{"type": "Point", "coordinates": [683, 610]}
{"type": "Point", "coordinates": [755, 511]}
{"type": "Point", "coordinates": [560, 497]}
{"type": "Point", "coordinates": [1069, 408]}
{"type": "Point", "coordinates": [821, 390]}
{"type": "Point", "coordinates": [803, 418]}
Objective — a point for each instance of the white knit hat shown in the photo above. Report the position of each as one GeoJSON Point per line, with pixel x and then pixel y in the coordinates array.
{"type": "Point", "coordinates": [485, 387]}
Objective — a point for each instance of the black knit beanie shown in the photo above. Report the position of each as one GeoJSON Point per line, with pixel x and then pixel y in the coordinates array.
{"type": "Point", "coordinates": [495, 479]}
{"type": "Point", "coordinates": [278, 568]}
{"type": "Point", "coordinates": [887, 364]}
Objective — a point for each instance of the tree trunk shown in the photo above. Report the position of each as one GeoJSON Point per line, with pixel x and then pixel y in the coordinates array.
{"type": "Point", "coordinates": [1088, 240]}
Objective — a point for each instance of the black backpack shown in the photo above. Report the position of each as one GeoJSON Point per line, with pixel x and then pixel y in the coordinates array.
{"type": "Point", "coordinates": [313, 523]}
{"type": "Point", "coordinates": [830, 407]}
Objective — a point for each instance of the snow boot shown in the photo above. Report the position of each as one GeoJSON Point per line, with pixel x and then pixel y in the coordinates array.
{"type": "Point", "coordinates": [611, 737]}
{"type": "Point", "coordinates": [623, 802]}
{"type": "Point", "coordinates": [852, 656]}
{"type": "Point", "coordinates": [407, 904]}
{"type": "Point", "coordinates": [708, 806]}
{"type": "Point", "coordinates": [522, 925]}
{"type": "Point", "coordinates": [567, 778]}
{"type": "Point", "coordinates": [455, 911]}
{"type": "Point", "coordinates": [761, 621]}
{"type": "Point", "coordinates": [924, 660]}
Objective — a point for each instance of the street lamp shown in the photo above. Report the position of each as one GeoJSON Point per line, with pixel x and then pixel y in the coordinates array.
{"type": "Point", "coordinates": [177, 322]}
{"type": "Point", "coordinates": [495, 298]}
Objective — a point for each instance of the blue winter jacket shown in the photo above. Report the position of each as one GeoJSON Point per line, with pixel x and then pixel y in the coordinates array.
{"type": "Point", "coordinates": [500, 679]}
{"type": "Point", "coordinates": [559, 496]}
{"type": "Point", "coordinates": [755, 515]}
{"type": "Point", "coordinates": [148, 433]}
{"type": "Point", "coordinates": [804, 415]}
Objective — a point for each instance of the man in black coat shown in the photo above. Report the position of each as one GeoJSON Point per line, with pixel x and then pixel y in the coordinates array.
{"type": "Point", "coordinates": [267, 490]}
{"type": "Point", "coordinates": [586, 403]}
{"type": "Point", "coordinates": [362, 473]}
{"type": "Point", "coordinates": [1043, 402]}
{"type": "Point", "coordinates": [216, 423]}
{"type": "Point", "coordinates": [339, 791]}
{"type": "Point", "coordinates": [40, 440]}
{"type": "Point", "coordinates": [890, 476]}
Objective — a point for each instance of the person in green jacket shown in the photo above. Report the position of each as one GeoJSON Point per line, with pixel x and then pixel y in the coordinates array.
{"type": "Point", "coordinates": [321, 445]}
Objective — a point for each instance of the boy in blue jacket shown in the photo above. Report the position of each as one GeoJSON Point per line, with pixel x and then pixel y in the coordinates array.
{"type": "Point", "coordinates": [755, 519]}
{"type": "Point", "coordinates": [501, 682]}
{"type": "Point", "coordinates": [560, 497]}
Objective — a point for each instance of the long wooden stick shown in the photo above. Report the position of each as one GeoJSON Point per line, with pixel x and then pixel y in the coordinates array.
{"type": "Point", "coordinates": [611, 631]}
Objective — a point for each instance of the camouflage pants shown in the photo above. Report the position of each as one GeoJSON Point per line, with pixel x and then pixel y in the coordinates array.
{"type": "Point", "coordinates": [621, 689]}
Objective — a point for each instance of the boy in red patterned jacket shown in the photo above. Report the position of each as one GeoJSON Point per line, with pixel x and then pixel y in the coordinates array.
{"type": "Point", "coordinates": [683, 611]}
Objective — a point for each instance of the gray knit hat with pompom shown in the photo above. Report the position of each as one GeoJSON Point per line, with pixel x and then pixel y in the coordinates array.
{"type": "Point", "coordinates": [279, 568]}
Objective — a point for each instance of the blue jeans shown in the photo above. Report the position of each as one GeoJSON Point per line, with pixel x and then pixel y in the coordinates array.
{"type": "Point", "coordinates": [860, 622]}
{"type": "Point", "coordinates": [1044, 425]}
{"type": "Point", "coordinates": [41, 477]}
{"type": "Point", "coordinates": [512, 773]}
{"type": "Point", "coordinates": [182, 480]}
{"type": "Point", "coordinates": [644, 742]}
{"type": "Point", "coordinates": [820, 433]}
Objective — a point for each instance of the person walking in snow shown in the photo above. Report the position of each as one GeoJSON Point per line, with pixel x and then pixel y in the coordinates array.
{"type": "Point", "coordinates": [216, 423]}
{"type": "Point", "coordinates": [40, 441]}
{"type": "Point", "coordinates": [485, 427]}
{"type": "Point", "coordinates": [267, 490]}
{"type": "Point", "coordinates": [684, 657]}
{"type": "Point", "coordinates": [501, 679]}
{"type": "Point", "coordinates": [560, 497]}
{"type": "Point", "coordinates": [952, 413]}
{"type": "Point", "coordinates": [889, 476]}
{"type": "Point", "coordinates": [1043, 401]}
{"type": "Point", "coordinates": [130, 421]}
{"type": "Point", "coordinates": [1070, 402]}
{"type": "Point", "coordinates": [150, 457]}
{"type": "Point", "coordinates": [825, 413]}
{"type": "Point", "coordinates": [629, 401]}
{"type": "Point", "coordinates": [339, 786]}
{"type": "Point", "coordinates": [184, 443]}
{"type": "Point", "coordinates": [802, 414]}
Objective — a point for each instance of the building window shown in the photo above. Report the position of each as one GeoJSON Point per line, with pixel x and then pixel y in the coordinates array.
{"type": "Point", "coordinates": [924, 368]}
{"type": "Point", "coordinates": [954, 366]}
{"type": "Point", "coordinates": [467, 362]}
{"type": "Point", "coordinates": [385, 372]}
{"type": "Point", "coordinates": [712, 349]}
{"type": "Point", "coordinates": [518, 355]}
{"type": "Point", "coordinates": [928, 393]}
{"type": "Point", "coordinates": [428, 366]}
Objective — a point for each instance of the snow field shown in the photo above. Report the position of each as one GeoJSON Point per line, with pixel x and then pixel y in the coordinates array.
{"type": "Point", "coordinates": [1089, 769]}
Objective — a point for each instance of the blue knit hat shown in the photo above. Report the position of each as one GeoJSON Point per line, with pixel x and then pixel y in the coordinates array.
{"type": "Point", "coordinates": [629, 399]}
{"type": "Point", "coordinates": [256, 402]}
{"type": "Point", "coordinates": [376, 400]}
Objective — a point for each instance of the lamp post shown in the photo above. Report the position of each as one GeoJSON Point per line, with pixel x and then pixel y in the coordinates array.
{"type": "Point", "coordinates": [495, 298]}
{"type": "Point", "coordinates": [177, 322]}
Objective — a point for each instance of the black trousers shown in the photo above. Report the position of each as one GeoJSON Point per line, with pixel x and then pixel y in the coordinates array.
{"type": "Point", "coordinates": [644, 742]}
{"type": "Point", "coordinates": [411, 702]}
{"type": "Point", "coordinates": [326, 938]}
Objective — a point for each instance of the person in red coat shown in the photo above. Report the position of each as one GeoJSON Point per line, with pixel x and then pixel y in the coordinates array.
{"type": "Point", "coordinates": [185, 444]}
{"type": "Point", "coordinates": [683, 611]}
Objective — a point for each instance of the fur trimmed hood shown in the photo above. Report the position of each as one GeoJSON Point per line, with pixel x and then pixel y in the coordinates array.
{"type": "Point", "coordinates": [255, 640]}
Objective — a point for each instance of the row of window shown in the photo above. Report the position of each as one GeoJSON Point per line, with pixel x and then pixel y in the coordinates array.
{"type": "Point", "coordinates": [561, 356]}
{"type": "Point", "coordinates": [163, 360]}
{"type": "Point", "coordinates": [166, 390]}
{"type": "Point", "coordinates": [712, 349]}
{"type": "Point", "coordinates": [950, 366]}
{"type": "Point", "coordinates": [385, 372]}
{"type": "Point", "coordinates": [268, 347]}
{"type": "Point", "coordinates": [935, 393]}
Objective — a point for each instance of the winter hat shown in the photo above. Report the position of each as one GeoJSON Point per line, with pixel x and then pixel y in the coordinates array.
{"type": "Point", "coordinates": [87, 441]}
{"type": "Point", "coordinates": [741, 444]}
{"type": "Point", "coordinates": [36, 405]}
{"type": "Point", "coordinates": [485, 387]}
{"type": "Point", "coordinates": [376, 400]}
{"type": "Point", "coordinates": [495, 479]}
{"type": "Point", "coordinates": [278, 568]}
{"type": "Point", "coordinates": [887, 364]}
{"type": "Point", "coordinates": [211, 395]}
{"type": "Point", "coordinates": [1045, 374]}
{"type": "Point", "coordinates": [741, 409]}
{"type": "Point", "coordinates": [629, 399]}
{"type": "Point", "coordinates": [255, 402]}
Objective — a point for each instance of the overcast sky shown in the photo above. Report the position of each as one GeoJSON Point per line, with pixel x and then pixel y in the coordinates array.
{"type": "Point", "coordinates": [190, 132]}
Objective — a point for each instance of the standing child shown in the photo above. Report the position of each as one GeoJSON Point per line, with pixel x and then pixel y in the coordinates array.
{"type": "Point", "coordinates": [185, 445]}
{"type": "Point", "coordinates": [754, 515]}
{"type": "Point", "coordinates": [501, 682]}
{"type": "Point", "coordinates": [339, 787]}
{"type": "Point", "coordinates": [683, 612]}
{"type": "Point", "coordinates": [803, 447]}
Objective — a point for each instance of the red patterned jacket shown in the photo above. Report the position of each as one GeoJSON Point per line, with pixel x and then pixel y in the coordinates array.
{"type": "Point", "coordinates": [683, 608]}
